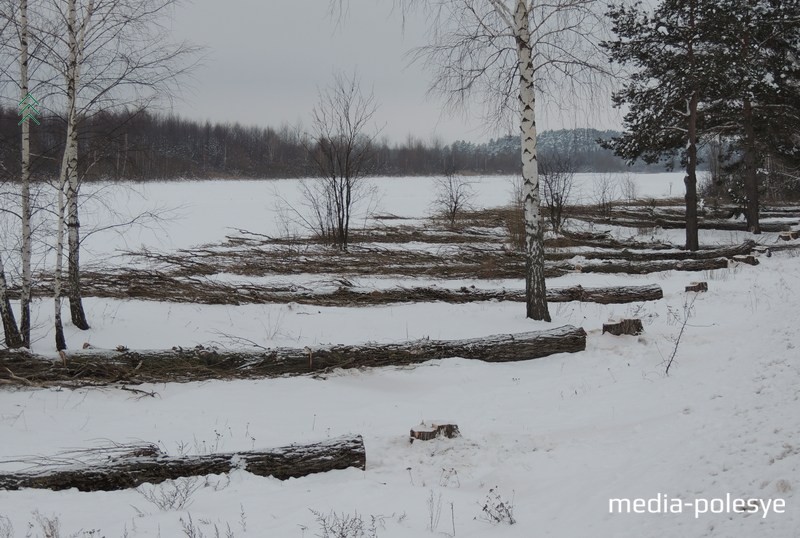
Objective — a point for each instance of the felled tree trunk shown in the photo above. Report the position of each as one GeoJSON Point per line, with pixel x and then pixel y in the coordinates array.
{"type": "Point", "coordinates": [151, 285]}
{"type": "Point", "coordinates": [643, 268]}
{"type": "Point", "coordinates": [610, 295]}
{"type": "Point", "coordinates": [133, 470]}
{"type": "Point", "coordinates": [194, 364]}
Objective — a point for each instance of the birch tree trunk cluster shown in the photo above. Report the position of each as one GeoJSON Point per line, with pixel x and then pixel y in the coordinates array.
{"type": "Point", "coordinates": [76, 58]}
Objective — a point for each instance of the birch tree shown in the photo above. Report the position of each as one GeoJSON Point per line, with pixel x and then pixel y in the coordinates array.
{"type": "Point", "coordinates": [112, 53]}
{"type": "Point", "coordinates": [15, 18]}
{"type": "Point", "coordinates": [25, 182]}
{"type": "Point", "coordinates": [507, 52]}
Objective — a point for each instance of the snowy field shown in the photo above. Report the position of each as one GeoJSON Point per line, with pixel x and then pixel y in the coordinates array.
{"type": "Point", "coordinates": [557, 437]}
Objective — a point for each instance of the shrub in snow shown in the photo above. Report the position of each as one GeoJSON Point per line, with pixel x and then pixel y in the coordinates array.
{"type": "Point", "coordinates": [496, 509]}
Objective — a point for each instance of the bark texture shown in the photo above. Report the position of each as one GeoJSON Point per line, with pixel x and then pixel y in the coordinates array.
{"type": "Point", "coordinates": [153, 467]}
{"type": "Point", "coordinates": [535, 288]}
{"type": "Point", "coordinates": [72, 182]}
{"type": "Point", "coordinates": [25, 184]}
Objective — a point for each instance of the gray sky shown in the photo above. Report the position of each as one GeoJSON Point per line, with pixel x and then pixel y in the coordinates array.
{"type": "Point", "coordinates": [266, 60]}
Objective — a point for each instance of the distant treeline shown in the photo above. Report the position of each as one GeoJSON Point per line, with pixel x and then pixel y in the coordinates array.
{"type": "Point", "coordinates": [144, 145]}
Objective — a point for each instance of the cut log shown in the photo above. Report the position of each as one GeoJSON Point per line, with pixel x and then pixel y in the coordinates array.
{"type": "Point", "coordinates": [697, 287]}
{"type": "Point", "coordinates": [200, 363]}
{"type": "Point", "coordinates": [748, 259]}
{"type": "Point", "coordinates": [643, 268]}
{"type": "Point", "coordinates": [789, 236]}
{"type": "Point", "coordinates": [434, 429]}
{"type": "Point", "coordinates": [610, 295]}
{"type": "Point", "coordinates": [133, 470]}
{"type": "Point", "coordinates": [626, 326]}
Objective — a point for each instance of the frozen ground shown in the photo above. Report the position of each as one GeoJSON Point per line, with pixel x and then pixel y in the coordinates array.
{"type": "Point", "coordinates": [557, 436]}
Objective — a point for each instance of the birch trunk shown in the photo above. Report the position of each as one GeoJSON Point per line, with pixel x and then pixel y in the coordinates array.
{"type": "Point", "coordinates": [13, 338]}
{"type": "Point", "coordinates": [77, 313]}
{"type": "Point", "coordinates": [68, 168]}
{"type": "Point", "coordinates": [535, 290]}
{"type": "Point", "coordinates": [61, 342]}
{"type": "Point", "coordinates": [25, 179]}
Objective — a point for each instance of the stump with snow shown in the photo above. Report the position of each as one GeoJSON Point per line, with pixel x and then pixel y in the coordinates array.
{"type": "Point", "coordinates": [697, 287]}
{"type": "Point", "coordinates": [631, 327]}
{"type": "Point", "coordinates": [433, 429]}
{"type": "Point", "coordinates": [789, 236]}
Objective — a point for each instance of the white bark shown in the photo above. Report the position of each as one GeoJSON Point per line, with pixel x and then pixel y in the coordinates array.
{"type": "Point", "coordinates": [69, 174]}
{"type": "Point", "coordinates": [76, 37]}
{"type": "Point", "coordinates": [536, 298]}
{"type": "Point", "coordinates": [58, 271]}
{"type": "Point", "coordinates": [25, 295]}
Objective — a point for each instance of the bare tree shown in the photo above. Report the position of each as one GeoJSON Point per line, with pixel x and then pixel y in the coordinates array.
{"type": "Point", "coordinates": [110, 53]}
{"type": "Point", "coordinates": [506, 51]}
{"type": "Point", "coordinates": [342, 148]}
{"type": "Point", "coordinates": [604, 193]}
{"type": "Point", "coordinates": [557, 173]}
{"type": "Point", "coordinates": [453, 196]}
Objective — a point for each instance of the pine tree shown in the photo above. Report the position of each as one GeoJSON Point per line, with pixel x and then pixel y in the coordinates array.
{"type": "Point", "coordinates": [758, 109]}
{"type": "Point", "coordinates": [673, 72]}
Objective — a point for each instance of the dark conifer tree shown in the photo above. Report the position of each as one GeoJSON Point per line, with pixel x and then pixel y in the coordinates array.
{"type": "Point", "coordinates": [672, 74]}
{"type": "Point", "coordinates": [757, 108]}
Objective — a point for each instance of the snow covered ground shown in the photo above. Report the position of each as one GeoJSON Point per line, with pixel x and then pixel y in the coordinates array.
{"type": "Point", "coordinates": [558, 436]}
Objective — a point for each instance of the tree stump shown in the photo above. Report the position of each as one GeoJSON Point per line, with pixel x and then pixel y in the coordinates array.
{"type": "Point", "coordinates": [789, 236]}
{"type": "Point", "coordinates": [697, 287]}
{"type": "Point", "coordinates": [626, 326]}
{"type": "Point", "coordinates": [749, 259]}
{"type": "Point", "coordinates": [434, 429]}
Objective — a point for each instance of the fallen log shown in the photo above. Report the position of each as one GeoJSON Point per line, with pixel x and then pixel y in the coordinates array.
{"type": "Point", "coordinates": [202, 291]}
{"type": "Point", "coordinates": [660, 254]}
{"type": "Point", "coordinates": [155, 467]}
{"type": "Point", "coordinates": [91, 366]}
{"type": "Point", "coordinates": [346, 296]}
{"type": "Point", "coordinates": [643, 268]}
{"type": "Point", "coordinates": [644, 221]}
{"type": "Point", "coordinates": [610, 295]}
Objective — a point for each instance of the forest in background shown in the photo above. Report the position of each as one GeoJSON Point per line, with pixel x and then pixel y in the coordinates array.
{"type": "Point", "coordinates": [148, 146]}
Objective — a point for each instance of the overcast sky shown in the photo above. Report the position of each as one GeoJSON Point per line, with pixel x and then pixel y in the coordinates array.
{"type": "Point", "coordinates": [266, 59]}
